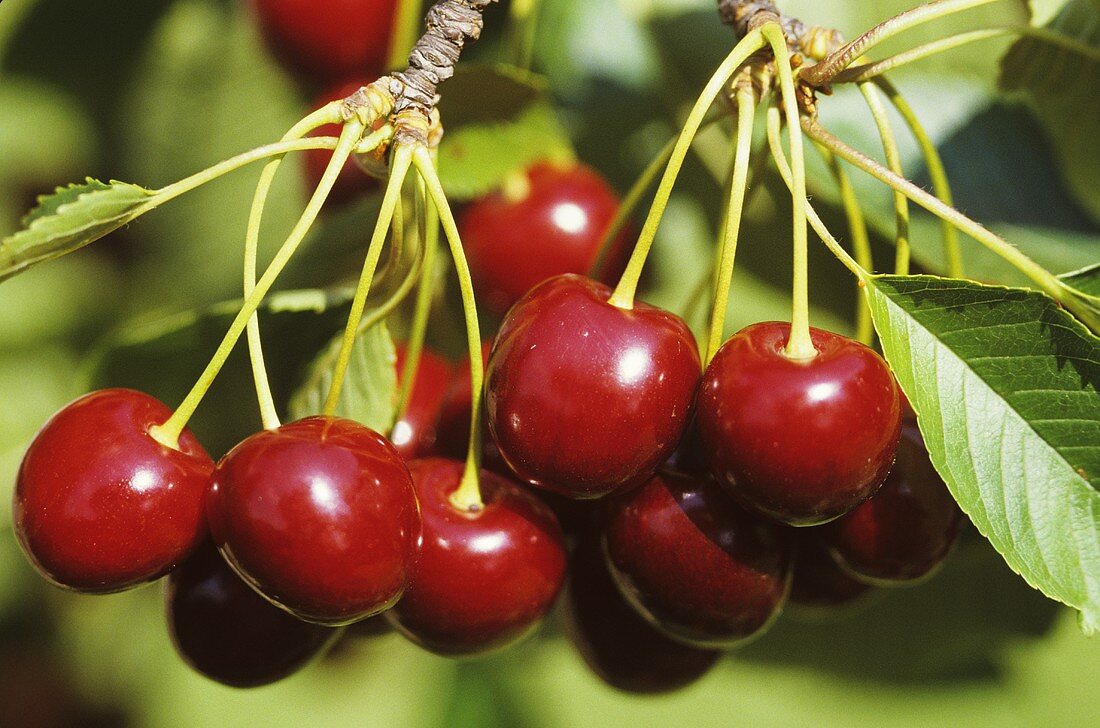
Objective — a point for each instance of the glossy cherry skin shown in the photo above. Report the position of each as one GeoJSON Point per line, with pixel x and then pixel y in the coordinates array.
{"type": "Point", "coordinates": [228, 632]}
{"type": "Point", "coordinates": [818, 582]}
{"type": "Point", "coordinates": [801, 441]}
{"type": "Point", "coordinates": [698, 567]}
{"type": "Point", "coordinates": [621, 647]}
{"type": "Point", "coordinates": [585, 398]}
{"type": "Point", "coordinates": [353, 181]}
{"type": "Point", "coordinates": [483, 580]}
{"type": "Point", "coordinates": [328, 40]}
{"type": "Point", "coordinates": [416, 431]}
{"type": "Point", "coordinates": [100, 505]}
{"type": "Point", "coordinates": [551, 225]}
{"type": "Point", "coordinates": [905, 531]}
{"type": "Point", "coordinates": [319, 516]}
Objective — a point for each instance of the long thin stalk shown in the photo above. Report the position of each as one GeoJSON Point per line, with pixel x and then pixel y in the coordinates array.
{"type": "Point", "coordinates": [893, 161]}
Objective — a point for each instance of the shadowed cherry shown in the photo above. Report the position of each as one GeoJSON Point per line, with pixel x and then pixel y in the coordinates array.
{"type": "Point", "coordinates": [101, 506]}
{"type": "Point", "coordinates": [802, 441]}
{"type": "Point", "coordinates": [318, 515]}
{"type": "Point", "coordinates": [818, 582]}
{"type": "Point", "coordinates": [416, 431]}
{"type": "Point", "coordinates": [623, 649]}
{"type": "Point", "coordinates": [698, 567]}
{"type": "Point", "coordinates": [228, 632]}
{"type": "Point", "coordinates": [585, 398]}
{"type": "Point", "coordinates": [905, 531]}
{"type": "Point", "coordinates": [484, 580]}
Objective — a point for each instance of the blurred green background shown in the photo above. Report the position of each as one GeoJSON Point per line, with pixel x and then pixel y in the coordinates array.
{"type": "Point", "coordinates": [149, 91]}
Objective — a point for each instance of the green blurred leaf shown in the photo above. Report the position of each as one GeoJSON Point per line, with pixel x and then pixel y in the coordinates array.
{"type": "Point", "coordinates": [1086, 281]}
{"type": "Point", "coordinates": [369, 394]}
{"type": "Point", "coordinates": [1005, 384]}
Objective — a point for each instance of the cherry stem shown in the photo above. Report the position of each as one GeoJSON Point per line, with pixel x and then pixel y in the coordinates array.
{"type": "Point", "coordinates": [775, 143]}
{"type": "Point", "coordinates": [893, 161]}
{"type": "Point", "coordinates": [867, 71]}
{"type": "Point", "coordinates": [406, 29]}
{"type": "Point", "coordinates": [418, 329]}
{"type": "Point", "coordinates": [168, 434]}
{"type": "Point", "coordinates": [936, 171]}
{"type": "Point", "coordinates": [1044, 279]}
{"type": "Point", "coordinates": [269, 414]}
{"type": "Point", "coordinates": [523, 20]}
{"type": "Point", "coordinates": [468, 495]}
{"type": "Point", "coordinates": [826, 70]}
{"type": "Point", "coordinates": [861, 241]}
{"type": "Point", "coordinates": [399, 169]}
{"type": "Point", "coordinates": [799, 345]}
{"type": "Point", "coordinates": [623, 296]}
{"type": "Point", "coordinates": [746, 112]}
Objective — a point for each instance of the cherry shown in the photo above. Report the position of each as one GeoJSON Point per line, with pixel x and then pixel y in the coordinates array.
{"type": "Point", "coordinates": [905, 531]}
{"type": "Point", "coordinates": [621, 647]}
{"type": "Point", "coordinates": [818, 582]}
{"type": "Point", "coordinates": [328, 40]}
{"type": "Point", "coordinates": [801, 441]}
{"type": "Point", "coordinates": [319, 516]}
{"type": "Point", "coordinates": [228, 632]}
{"type": "Point", "coordinates": [694, 564]}
{"type": "Point", "coordinates": [99, 504]}
{"type": "Point", "coordinates": [585, 398]}
{"type": "Point", "coordinates": [353, 181]}
{"type": "Point", "coordinates": [484, 580]}
{"type": "Point", "coordinates": [552, 222]}
{"type": "Point", "coordinates": [416, 431]}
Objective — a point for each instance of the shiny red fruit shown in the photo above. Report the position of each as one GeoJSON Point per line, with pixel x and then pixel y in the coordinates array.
{"type": "Point", "coordinates": [100, 505]}
{"type": "Point", "coordinates": [905, 531]}
{"type": "Point", "coordinates": [585, 398]}
{"type": "Point", "coordinates": [818, 582]}
{"type": "Point", "coordinates": [319, 516]}
{"type": "Point", "coordinates": [416, 431]}
{"type": "Point", "coordinates": [621, 647]}
{"type": "Point", "coordinates": [552, 224]}
{"type": "Point", "coordinates": [801, 441]}
{"type": "Point", "coordinates": [228, 632]}
{"type": "Point", "coordinates": [484, 580]}
{"type": "Point", "coordinates": [328, 40]}
{"type": "Point", "coordinates": [694, 564]}
{"type": "Point", "coordinates": [353, 181]}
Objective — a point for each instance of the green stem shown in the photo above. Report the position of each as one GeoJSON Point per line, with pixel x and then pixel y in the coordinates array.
{"type": "Point", "coordinates": [893, 161]}
{"type": "Point", "coordinates": [746, 111]}
{"type": "Point", "coordinates": [468, 495]}
{"type": "Point", "coordinates": [523, 21]}
{"type": "Point", "coordinates": [623, 295]}
{"type": "Point", "coordinates": [418, 329]}
{"type": "Point", "coordinates": [936, 171]}
{"type": "Point", "coordinates": [168, 433]}
{"type": "Point", "coordinates": [825, 71]}
{"type": "Point", "coordinates": [399, 168]}
{"type": "Point", "coordinates": [406, 29]}
{"type": "Point", "coordinates": [867, 71]}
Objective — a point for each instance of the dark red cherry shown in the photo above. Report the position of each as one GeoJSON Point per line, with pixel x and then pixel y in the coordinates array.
{"type": "Point", "coordinates": [328, 40]}
{"type": "Point", "coordinates": [904, 531]}
{"type": "Point", "coordinates": [416, 431]}
{"type": "Point", "coordinates": [621, 647]}
{"type": "Point", "coordinates": [801, 441]}
{"type": "Point", "coordinates": [100, 505]}
{"type": "Point", "coordinates": [353, 181]}
{"type": "Point", "coordinates": [319, 516]}
{"type": "Point", "coordinates": [818, 582]}
{"type": "Point", "coordinates": [228, 632]}
{"type": "Point", "coordinates": [585, 398]}
{"type": "Point", "coordinates": [550, 221]}
{"type": "Point", "coordinates": [698, 567]}
{"type": "Point", "coordinates": [484, 580]}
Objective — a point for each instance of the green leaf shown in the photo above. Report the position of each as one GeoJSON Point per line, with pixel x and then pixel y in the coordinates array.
{"type": "Point", "coordinates": [1005, 384]}
{"type": "Point", "coordinates": [369, 394]}
{"type": "Point", "coordinates": [1086, 280]}
{"type": "Point", "coordinates": [498, 120]}
{"type": "Point", "coordinates": [69, 219]}
{"type": "Point", "coordinates": [1061, 79]}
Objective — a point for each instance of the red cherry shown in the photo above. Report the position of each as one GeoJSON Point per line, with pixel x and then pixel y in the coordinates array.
{"type": "Point", "coordinates": [100, 505]}
{"type": "Point", "coordinates": [620, 646]}
{"type": "Point", "coordinates": [228, 632]}
{"type": "Point", "coordinates": [483, 580]}
{"type": "Point", "coordinates": [800, 441]}
{"type": "Point", "coordinates": [328, 40]}
{"type": "Point", "coordinates": [905, 531]}
{"type": "Point", "coordinates": [319, 516]}
{"type": "Point", "coordinates": [698, 567]}
{"type": "Point", "coordinates": [353, 181]}
{"type": "Point", "coordinates": [818, 582]}
{"type": "Point", "coordinates": [585, 398]}
{"type": "Point", "coordinates": [553, 224]}
{"type": "Point", "coordinates": [416, 431]}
